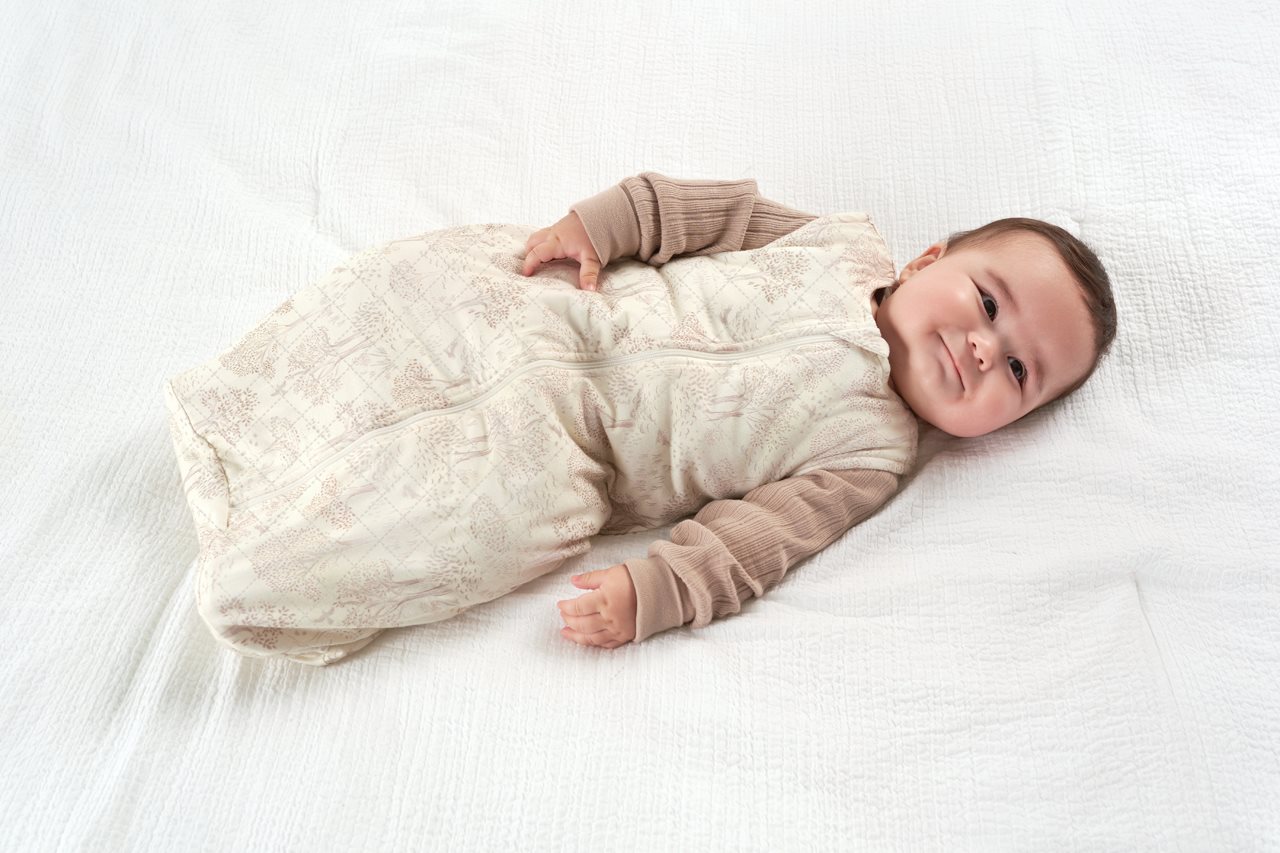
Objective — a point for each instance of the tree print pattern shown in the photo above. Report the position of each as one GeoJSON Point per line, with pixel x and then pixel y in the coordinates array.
{"type": "Point", "coordinates": [424, 429]}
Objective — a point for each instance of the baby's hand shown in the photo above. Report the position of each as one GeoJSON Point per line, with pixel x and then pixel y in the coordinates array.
{"type": "Point", "coordinates": [566, 239]}
{"type": "Point", "coordinates": [606, 616]}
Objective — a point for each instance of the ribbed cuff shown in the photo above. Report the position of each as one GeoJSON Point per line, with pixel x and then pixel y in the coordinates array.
{"type": "Point", "coordinates": [611, 223]}
{"type": "Point", "coordinates": [659, 602]}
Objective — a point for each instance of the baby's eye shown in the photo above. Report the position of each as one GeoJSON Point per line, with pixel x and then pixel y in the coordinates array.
{"type": "Point", "coordinates": [1019, 370]}
{"type": "Point", "coordinates": [991, 312]}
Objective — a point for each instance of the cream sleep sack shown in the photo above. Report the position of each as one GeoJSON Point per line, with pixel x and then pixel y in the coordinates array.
{"type": "Point", "coordinates": [424, 429]}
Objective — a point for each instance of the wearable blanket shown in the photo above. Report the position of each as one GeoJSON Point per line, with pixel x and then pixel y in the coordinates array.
{"type": "Point", "coordinates": [425, 429]}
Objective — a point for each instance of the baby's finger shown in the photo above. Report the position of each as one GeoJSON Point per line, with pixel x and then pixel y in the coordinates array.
{"type": "Point", "coordinates": [541, 254]}
{"type": "Point", "coordinates": [583, 605]}
{"type": "Point", "coordinates": [589, 277]}
{"type": "Point", "coordinates": [531, 263]}
{"type": "Point", "coordinates": [585, 624]}
{"type": "Point", "coordinates": [598, 638]}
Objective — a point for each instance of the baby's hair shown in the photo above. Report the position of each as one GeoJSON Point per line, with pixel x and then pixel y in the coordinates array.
{"type": "Point", "coordinates": [1086, 269]}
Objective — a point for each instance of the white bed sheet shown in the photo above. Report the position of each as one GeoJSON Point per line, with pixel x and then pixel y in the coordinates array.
{"type": "Point", "coordinates": [1060, 636]}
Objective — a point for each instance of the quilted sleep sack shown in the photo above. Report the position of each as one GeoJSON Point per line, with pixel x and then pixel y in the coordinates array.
{"type": "Point", "coordinates": [425, 429]}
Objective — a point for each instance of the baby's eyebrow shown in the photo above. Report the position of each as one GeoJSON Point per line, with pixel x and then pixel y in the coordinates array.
{"type": "Point", "coordinates": [1007, 292]}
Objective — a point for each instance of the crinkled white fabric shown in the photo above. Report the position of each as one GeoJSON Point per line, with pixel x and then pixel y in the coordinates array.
{"type": "Point", "coordinates": [425, 429]}
{"type": "Point", "coordinates": [1060, 636]}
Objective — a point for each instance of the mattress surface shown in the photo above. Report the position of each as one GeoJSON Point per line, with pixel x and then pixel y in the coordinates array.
{"type": "Point", "coordinates": [1062, 635]}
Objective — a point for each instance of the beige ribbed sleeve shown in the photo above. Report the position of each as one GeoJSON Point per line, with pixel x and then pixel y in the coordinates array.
{"type": "Point", "coordinates": [653, 218]}
{"type": "Point", "coordinates": [735, 549]}
{"type": "Point", "coordinates": [731, 549]}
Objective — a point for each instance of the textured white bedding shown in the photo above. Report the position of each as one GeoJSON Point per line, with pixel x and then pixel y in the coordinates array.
{"type": "Point", "coordinates": [1065, 635]}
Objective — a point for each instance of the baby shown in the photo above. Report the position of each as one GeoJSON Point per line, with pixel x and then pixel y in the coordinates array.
{"type": "Point", "coordinates": [423, 429]}
{"type": "Point", "coordinates": [982, 328]}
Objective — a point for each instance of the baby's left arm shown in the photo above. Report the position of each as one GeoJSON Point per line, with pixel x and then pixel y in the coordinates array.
{"type": "Point", "coordinates": [735, 549]}
{"type": "Point", "coordinates": [606, 616]}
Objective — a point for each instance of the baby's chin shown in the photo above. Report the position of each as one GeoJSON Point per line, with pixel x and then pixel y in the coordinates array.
{"type": "Point", "coordinates": [963, 432]}
{"type": "Point", "coordinates": [943, 416]}
{"type": "Point", "coordinates": [962, 427]}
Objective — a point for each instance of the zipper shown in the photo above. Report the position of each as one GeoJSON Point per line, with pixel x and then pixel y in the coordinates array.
{"type": "Point", "coordinates": [568, 365]}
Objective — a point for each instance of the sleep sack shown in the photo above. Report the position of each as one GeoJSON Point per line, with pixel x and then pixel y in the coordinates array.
{"type": "Point", "coordinates": [425, 429]}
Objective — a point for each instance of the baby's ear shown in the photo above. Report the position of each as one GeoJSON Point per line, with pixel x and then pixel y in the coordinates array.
{"type": "Point", "coordinates": [928, 256]}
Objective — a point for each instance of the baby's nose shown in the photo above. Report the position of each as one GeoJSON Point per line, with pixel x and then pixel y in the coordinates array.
{"type": "Point", "coordinates": [982, 349]}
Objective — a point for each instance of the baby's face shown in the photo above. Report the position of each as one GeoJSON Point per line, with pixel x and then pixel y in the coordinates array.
{"type": "Point", "coordinates": [966, 372]}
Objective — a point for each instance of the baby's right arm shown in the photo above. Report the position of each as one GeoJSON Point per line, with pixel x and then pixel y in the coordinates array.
{"type": "Point", "coordinates": [654, 218]}
{"type": "Point", "coordinates": [566, 239]}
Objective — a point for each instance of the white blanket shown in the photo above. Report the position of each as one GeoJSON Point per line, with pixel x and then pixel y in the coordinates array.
{"type": "Point", "coordinates": [1064, 635]}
